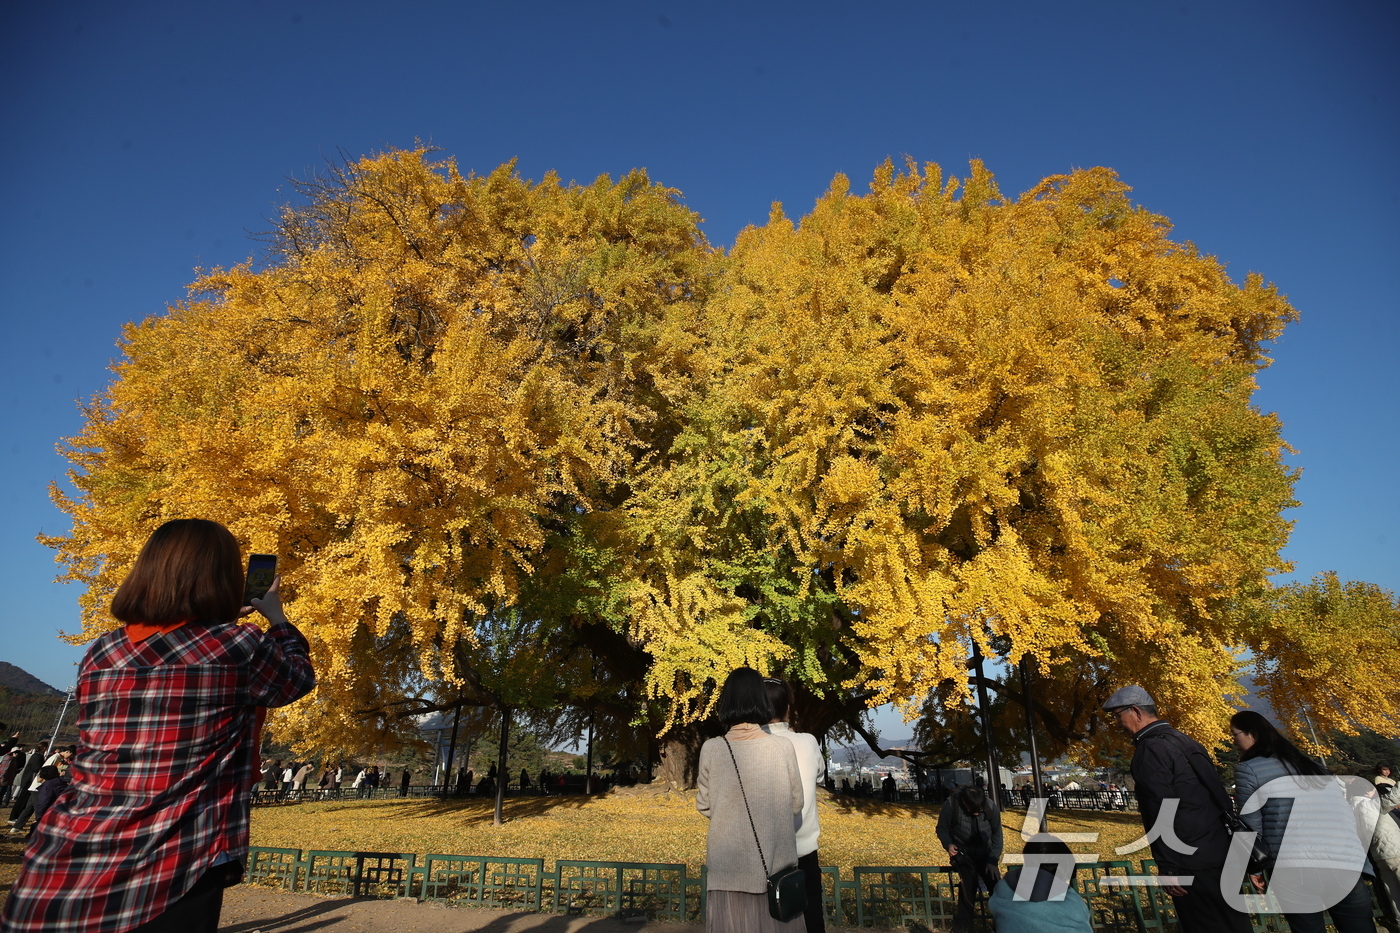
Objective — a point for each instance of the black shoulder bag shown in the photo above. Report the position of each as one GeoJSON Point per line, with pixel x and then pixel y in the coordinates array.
{"type": "Point", "coordinates": [787, 889]}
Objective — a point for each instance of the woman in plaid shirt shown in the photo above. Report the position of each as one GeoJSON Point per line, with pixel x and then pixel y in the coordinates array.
{"type": "Point", "coordinates": [155, 823]}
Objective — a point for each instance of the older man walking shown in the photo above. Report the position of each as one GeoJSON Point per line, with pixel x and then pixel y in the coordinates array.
{"type": "Point", "coordinates": [1184, 809]}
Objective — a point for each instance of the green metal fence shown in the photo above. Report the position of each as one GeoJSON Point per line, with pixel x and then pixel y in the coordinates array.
{"type": "Point", "coordinates": [884, 896]}
{"type": "Point", "coordinates": [485, 881]}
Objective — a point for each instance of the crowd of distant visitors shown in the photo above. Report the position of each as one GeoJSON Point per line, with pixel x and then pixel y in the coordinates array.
{"type": "Point", "coordinates": [1102, 796]}
{"type": "Point", "coordinates": [292, 781]}
{"type": "Point", "coordinates": [142, 824]}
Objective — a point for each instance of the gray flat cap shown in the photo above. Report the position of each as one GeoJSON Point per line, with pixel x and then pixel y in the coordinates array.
{"type": "Point", "coordinates": [1129, 696]}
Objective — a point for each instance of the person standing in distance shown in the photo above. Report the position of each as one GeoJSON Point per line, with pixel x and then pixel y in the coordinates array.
{"type": "Point", "coordinates": [810, 764]}
{"type": "Point", "coordinates": [14, 763]}
{"type": "Point", "coordinates": [1169, 765]}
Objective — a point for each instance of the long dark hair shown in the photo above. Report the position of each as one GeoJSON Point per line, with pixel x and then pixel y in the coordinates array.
{"type": "Point", "coordinates": [1270, 743]}
{"type": "Point", "coordinates": [779, 697]}
{"type": "Point", "coordinates": [744, 699]}
{"type": "Point", "coordinates": [188, 569]}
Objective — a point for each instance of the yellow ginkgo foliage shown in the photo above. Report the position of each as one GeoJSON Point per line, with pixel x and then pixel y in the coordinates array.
{"type": "Point", "coordinates": [537, 445]}
{"type": "Point", "coordinates": [935, 418]}
{"type": "Point", "coordinates": [1328, 658]}
{"type": "Point", "coordinates": [430, 373]}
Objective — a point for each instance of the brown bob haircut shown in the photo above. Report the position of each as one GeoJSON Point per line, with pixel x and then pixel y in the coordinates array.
{"type": "Point", "coordinates": [189, 569]}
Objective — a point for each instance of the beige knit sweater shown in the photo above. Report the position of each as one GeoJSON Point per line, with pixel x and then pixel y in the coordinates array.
{"type": "Point", "coordinates": [773, 786]}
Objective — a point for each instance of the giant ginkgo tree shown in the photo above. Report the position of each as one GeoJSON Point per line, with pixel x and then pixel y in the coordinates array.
{"type": "Point", "coordinates": [924, 422]}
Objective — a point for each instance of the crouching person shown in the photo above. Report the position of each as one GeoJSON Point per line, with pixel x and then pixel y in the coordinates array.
{"type": "Point", "coordinates": [1038, 897]}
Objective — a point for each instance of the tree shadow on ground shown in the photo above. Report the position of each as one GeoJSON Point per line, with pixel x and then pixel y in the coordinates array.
{"type": "Point", "coordinates": [871, 807]}
{"type": "Point", "coordinates": [301, 914]}
{"type": "Point", "coordinates": [475, 811]}
{"type": "Point", "coordinates": [433, 806]}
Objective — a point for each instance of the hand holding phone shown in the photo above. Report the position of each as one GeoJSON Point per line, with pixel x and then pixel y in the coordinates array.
{"type": "Point", "coordinates": [269, 604]}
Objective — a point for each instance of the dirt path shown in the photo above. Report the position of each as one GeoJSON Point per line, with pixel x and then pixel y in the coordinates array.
{"type": "Point", "coordinates": [251, 909]}
{"type": "Point", "coordinates": [255, 909]}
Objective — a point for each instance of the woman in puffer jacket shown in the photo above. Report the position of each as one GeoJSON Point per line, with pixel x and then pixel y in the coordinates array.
{"type": "Point", "coordinates": [1304, 821]}
{"type": "Point", "coordinates": [1373, 807]}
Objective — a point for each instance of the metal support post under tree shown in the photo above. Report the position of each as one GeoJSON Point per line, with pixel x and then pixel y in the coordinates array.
{"type": "Point", "coordinates": [1030, 734]}
{"type": "Point", "coordinates": [1313, 731]}
{"type": "Point", "coordinates": [452, 749]}
{"type": "Point", "coordinates": [588, 779]}
{"type": "Point", "coordinates": [501, 775]}
{"type": "Point", "coordinates": [984, 708]}
{"type": "Point", "coordinates": [67, 698]}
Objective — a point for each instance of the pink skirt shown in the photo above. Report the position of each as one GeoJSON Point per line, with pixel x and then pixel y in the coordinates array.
{"type": "Point", "coordinates": [741, 912]}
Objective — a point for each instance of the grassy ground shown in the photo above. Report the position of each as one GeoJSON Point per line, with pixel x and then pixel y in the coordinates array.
{"type": "Point", "coordinates": [641, 828]}
{"type": "Point", "coordinates": [617, 827]}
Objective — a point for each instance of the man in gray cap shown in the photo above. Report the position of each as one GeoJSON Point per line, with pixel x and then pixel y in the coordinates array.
{"type": "Point", "coordinates": [1184, 808]}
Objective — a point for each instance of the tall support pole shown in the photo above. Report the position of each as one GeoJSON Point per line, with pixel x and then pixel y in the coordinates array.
{"type": "Point", "coordinates": [452, 750]}
{"type": "Point", "coordinates": [1030, 733]}
{"type": "Point", "coordinates": [1306, 718]}
{"type": "Point", "coordinates": [501, 775]}
{"type": "Point", "coordinates": [984, 707]}
{"type": "Point", "coordinates": [588, 781]}
{"type": "Point", "coordinates": [67, 698]}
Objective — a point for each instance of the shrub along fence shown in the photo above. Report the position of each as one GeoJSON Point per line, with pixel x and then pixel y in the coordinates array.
{"type": "Point", "coordinates": [884, 896]}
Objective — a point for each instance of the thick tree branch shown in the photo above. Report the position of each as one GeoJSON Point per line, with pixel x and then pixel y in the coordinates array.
{"type": "Point", "coordinates": [913, 757]}
{"type": "Point", "coordinates": [1063, 732]}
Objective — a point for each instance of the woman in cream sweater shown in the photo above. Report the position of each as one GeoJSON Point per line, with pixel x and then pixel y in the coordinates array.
{"type": "Point", "coordinates": [750, 787]}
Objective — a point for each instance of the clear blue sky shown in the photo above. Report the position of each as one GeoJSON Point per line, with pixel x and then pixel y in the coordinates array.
{"type": "Point", "coordinates": [142, 140]}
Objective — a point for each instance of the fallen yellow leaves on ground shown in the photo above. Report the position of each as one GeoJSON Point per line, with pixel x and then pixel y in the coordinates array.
{"type": "Point", "coordinates": [618, 828]}
{"type": "Point", "coordinates": [640, 828]}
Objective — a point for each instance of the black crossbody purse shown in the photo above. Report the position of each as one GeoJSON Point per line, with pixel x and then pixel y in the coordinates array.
{"type": "Point", "coordinates": [787, 889]}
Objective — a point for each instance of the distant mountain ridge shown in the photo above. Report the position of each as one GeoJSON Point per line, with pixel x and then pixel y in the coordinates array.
{"type": "Point", "coordinates": [18, 679]}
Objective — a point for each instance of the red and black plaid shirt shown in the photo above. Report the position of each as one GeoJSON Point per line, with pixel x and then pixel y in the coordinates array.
{"type": "Point", "coordinates": [160, 784]}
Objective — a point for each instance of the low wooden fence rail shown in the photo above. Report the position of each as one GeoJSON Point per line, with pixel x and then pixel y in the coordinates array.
{"type": "Point", "coordinates": [876, 896]}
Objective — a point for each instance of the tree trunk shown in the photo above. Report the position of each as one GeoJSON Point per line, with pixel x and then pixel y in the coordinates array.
{"type": "Point", "coordinates": [680, 758]}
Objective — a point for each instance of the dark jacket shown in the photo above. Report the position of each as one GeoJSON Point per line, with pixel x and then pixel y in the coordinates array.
{"type": "Point", "coordinates": [46, 794]}
{"type": "Point", "coordinates": [975, 835]}
{"type": "Point", "coordinates": [1169, 764]}
{"type": "Point", "coordinates": [26, 780]}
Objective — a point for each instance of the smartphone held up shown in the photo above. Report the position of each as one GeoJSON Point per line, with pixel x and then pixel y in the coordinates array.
{"type": "Point", "coordinates": [262, 570]}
